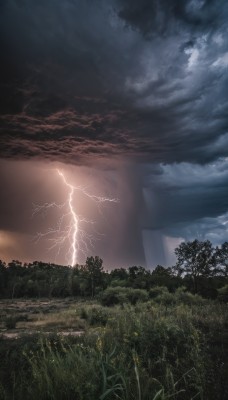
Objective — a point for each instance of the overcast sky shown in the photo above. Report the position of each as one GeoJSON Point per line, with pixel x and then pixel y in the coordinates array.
{"type": "Point", "coordinates": [130, 99]}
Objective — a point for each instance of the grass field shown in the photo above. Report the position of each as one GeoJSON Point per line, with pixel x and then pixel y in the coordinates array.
{"type": "Point", "coordinates": [68, 349]}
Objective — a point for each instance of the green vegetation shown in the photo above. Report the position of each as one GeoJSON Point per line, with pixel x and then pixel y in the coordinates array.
{"type": "Point", "coordinates": [128, 334]}
{"type": "Point", "coordinates": [200, 267]}
{"type": "Point", "coordinates": [143, 351]}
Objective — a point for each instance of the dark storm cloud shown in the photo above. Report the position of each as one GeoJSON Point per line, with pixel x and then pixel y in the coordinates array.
{"type": "Point", "coordinates": [140, 82]}
{"type": "Point", "coordinates": [180, 197]}
{"type": "Point", "coordinates": [143, 79]}
{"type": "Point", "coordinates": [151, 17]}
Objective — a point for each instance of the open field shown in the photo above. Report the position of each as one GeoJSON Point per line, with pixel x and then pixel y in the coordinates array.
{"type": "Point", "coordinates": [29, 317]}
{"type": "Point", "coordinates": [68, 349]}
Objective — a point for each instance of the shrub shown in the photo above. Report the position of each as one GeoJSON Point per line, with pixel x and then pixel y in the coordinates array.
{"type": "Point", "coordinates": [97, 316]}
{"type": "Point", "coordinates": [114, 295]}
{"type": "Point", "coordinates": [188, 298]}
{"type": "Point", "coordinates": [157, 290]}
{"type": "Point", "coordinates": [135, 295]}
{"type": "Point", "coordinates": [165, 298]}
{"type": "Point", "coordinates": [121, 295]}
{"type": "Point", "coordinates": [118, 282]}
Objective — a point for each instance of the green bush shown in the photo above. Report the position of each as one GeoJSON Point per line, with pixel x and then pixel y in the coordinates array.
{"type": "Point", "coordinates": [118, 282]}
{"type": "Point", "coordinates": [97, 316]}
{"type": "Point", "coordinates": [188, 298]}
{"type": "Point", "coordinates": [165, 298]}
{"type": "Point", "coordinates": [157, 291]}
{"type": "Point", "coordinates": [135, 295]}
{"type": "Point", "coordinates": [114, 295]}
{"type": "Point", "coordinates": [120, 295]}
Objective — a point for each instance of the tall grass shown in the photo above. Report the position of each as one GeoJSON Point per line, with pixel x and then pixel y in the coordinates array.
{"type": "Point", "coordinates": [145, 352]}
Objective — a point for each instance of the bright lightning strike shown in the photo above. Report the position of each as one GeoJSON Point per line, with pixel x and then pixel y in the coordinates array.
{"type": "Point", "coordinates": [71, 232]}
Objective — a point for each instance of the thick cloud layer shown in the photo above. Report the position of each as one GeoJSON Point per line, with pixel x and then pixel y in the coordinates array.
{"type": "Point", "coordinates": [139, 83]}
{"type": "Point", "coordinates": [143, 79]}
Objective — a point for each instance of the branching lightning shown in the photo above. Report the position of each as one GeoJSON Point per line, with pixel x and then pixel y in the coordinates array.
{"type": "Point", "coordinates": [72, 232]}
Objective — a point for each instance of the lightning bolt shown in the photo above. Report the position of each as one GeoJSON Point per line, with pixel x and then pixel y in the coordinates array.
{"type": "Point", "coordinates": [79, 239]}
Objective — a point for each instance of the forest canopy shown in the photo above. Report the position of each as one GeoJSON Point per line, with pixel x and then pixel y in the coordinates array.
{"type": "Point", "coordinates": [200, 268]}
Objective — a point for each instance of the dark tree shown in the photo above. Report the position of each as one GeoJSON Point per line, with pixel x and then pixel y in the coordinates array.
{"type": "Point", "coordinates": [139, 277]}
{"type": "Point", "coordinates": [119, 273]}
{"type": "Point", "coordinates": [162, 276]}
{"type": "Point", "coordinates": [195, 259]}
{"type": "Point", "coordinates": [162, 271]}
{"type": "Point", "coordinates": [221, 255]}
{"type": "Point", "coordinates": [94, 271]}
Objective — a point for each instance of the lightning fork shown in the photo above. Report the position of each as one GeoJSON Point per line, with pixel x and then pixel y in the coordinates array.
{"type": "Point", "coordinates": [72, 232]}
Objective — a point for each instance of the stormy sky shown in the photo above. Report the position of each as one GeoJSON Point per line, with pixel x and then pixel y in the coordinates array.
{"type": "Point", "coordinates": [129, 99]}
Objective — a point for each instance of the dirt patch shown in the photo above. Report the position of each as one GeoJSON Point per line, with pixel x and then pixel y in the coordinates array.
{"type": "Point", "coordinates": [18, 335]}
{"type": "Point", "coordinates": [21, 318]}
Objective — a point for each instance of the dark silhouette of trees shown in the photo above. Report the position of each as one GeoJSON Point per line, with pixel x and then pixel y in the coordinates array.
{"type": "Point", "coordinates": [195, 259]}
{"type": "Point", "coordinates": [161, 276]}
{"type": "Point", "coordinates": [139, 277]}
{"type": "Point", "coordinates": [94, 273]}
{"type": "Point", "coordinates": [221, 255]}
{"type": "Point", "coordinates": [200, 267]}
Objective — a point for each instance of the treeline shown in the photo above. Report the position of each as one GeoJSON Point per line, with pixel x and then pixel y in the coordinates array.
{"type": "Point", "coordinates": [200, 268]}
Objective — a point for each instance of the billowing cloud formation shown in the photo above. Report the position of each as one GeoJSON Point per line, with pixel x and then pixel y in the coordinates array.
{"type": "Point", "coordinates": [143, 79]}
{"type": "Point", "coordinates": [137, 82]}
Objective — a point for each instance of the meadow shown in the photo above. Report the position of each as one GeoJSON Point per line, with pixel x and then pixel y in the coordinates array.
{"type": "Point", "coordinates": [165, 346]}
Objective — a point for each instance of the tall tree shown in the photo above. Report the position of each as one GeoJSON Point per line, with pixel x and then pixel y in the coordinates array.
{"type": "Point", "coordinates": [94, 271]}
{"type": "Point", "coordinates": [221, 255]}
{"type": "Point", "coordinates": [195, 259]}
{"type": "Point", "coordinates": [139, 277]}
